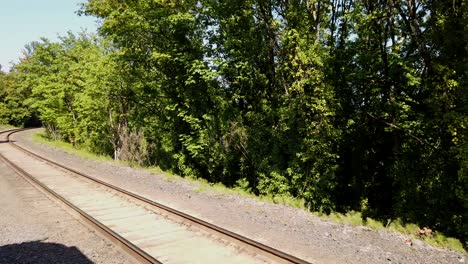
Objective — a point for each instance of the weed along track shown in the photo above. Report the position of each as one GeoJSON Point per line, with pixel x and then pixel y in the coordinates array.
{"type": "Point", "coordinates": [148, 231]}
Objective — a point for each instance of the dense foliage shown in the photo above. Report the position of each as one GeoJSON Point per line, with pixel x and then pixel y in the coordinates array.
{"type": "Point", "coordinates": [348, 105]}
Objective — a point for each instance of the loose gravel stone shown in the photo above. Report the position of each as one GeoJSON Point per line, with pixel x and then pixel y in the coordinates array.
{"type": "Point", "coordinates": [33, 229]}
{"type": "Point", "coordinates": [291, 230]}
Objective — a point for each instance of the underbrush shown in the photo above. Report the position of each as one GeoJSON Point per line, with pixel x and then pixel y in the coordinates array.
{"type": "Point", "coordinates": [202, 185]}
{"type": "Point", "coordinates": [411, 230]}
{"type": "Point", "coordinates": [41, 137]}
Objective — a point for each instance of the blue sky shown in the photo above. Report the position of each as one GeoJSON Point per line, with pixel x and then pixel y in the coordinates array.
{"type": "Point", "coordinates": [23, 21]}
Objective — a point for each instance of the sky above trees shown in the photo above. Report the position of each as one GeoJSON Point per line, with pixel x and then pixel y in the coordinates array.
{"type": "Point", "coordinates": [22, 21]}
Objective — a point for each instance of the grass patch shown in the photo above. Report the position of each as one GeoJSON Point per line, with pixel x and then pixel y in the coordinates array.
{"type": "Point", "coordinates": [437, 239]}
{"type": "Point", "coordinates": [41, 137]}
{"type": "Point", "coordinates": [202, 185]}
{"type": "Point", "coordinates": [398, 226]}
{"type": "Point", "coordinates": [351, 218]}
{"type": "Point", "coordinates": [284, 200]}
{"type": "Point", "coordinates": [354, 218]}
{"type": "Point", "coordinates": [6, 127]}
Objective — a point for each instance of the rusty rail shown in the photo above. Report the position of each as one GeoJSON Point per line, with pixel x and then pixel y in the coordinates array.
{"type": "Point", "coordinates": [129, 248]}
{"type": "Point", "coordinates": [244, 242]}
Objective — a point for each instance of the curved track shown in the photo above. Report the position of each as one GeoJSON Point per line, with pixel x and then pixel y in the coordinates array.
{"type": "Point", "coordinates": [6, 133]}
{"type": "Point", "coordinates": [150, 232]}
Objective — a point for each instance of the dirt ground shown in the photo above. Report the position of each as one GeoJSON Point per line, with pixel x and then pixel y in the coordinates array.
{"type": "Point", "coordinates": [292, 230]}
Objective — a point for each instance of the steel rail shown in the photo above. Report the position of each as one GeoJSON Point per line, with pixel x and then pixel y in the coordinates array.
{"type": "Point", "coordinates": [243, 241]}
{"type": "Point", "coordinates": [132, 250]}
{"type": "Point", "coordinates": [8, 131]}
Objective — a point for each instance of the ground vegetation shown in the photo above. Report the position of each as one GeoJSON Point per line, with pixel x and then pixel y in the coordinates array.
{"type": "Point", "coordinates": [345, 104]}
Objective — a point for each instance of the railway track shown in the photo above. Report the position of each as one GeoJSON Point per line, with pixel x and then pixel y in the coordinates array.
{"type": "Point", "coordinates": [146, 230]}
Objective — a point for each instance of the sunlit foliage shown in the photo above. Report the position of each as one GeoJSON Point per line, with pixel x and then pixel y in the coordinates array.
{"type": "Point", "coordinates": [347, 105]}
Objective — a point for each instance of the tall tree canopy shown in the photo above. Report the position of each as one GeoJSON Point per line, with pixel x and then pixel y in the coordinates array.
{"type": "Point", "coordinates": [347, 104]}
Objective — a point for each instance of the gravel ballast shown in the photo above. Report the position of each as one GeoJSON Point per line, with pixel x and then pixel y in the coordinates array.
{"type": "Point", "coordinates": [33, 229]}
{"type": "Point", "coordinates": [289, 229]}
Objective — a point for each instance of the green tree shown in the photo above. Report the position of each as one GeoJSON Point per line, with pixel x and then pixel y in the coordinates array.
{"type": "Point", "coordinates": [348, 105]}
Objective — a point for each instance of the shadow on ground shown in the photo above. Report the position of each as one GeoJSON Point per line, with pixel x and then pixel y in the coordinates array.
{"type": "Point", "coordinates": [41, 253]}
